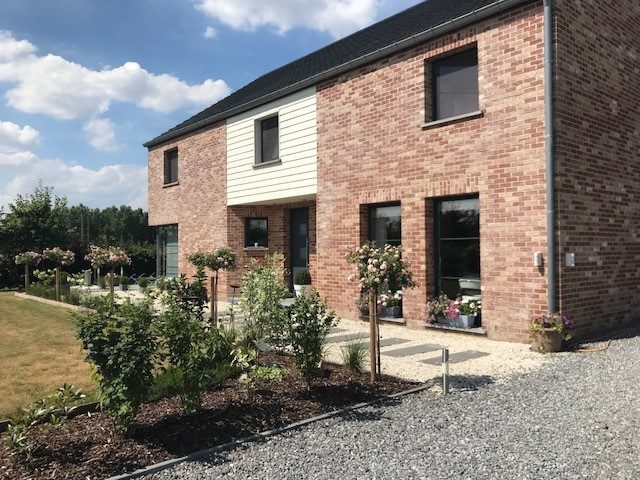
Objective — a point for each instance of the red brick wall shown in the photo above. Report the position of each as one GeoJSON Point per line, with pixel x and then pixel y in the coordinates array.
{"type": "Point", "coordinates": [598, 155]}
{"type": "Point", "coordinates": [198, 204]}
{"type": "Point", "coordinates": [371, 149]}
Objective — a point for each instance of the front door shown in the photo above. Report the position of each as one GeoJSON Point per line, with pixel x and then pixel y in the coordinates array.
{"type": "Point", "coordinates": [299, 240]}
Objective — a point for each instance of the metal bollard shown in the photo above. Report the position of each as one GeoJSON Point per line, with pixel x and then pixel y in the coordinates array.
{"type": "Point", "coordinates": [445, 371]}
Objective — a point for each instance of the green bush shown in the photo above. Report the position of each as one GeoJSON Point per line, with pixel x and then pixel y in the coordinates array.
{"type": "Point", "coordinates": [143, 282]}
{"type": "Point", "coordinates": [267, 373]}
{"type": "Point", "coordinates": [124, 283]}
{"type": "Point", "coordinates": [303, 277]}
{"type": "Point", "coordinates": [122, 348]}
{"type": "Point", "coordinates": [95, 302]}
{"type": "Point", "coordinates": [193, 347]}
{"type": "Point", "coordinates": [354, 355]}
{"type": "Point", "coordinates": [309, 324]}
{"type": "Point", "coordinates": [41, 290]}
{"type": "Point", "coordinates": [260, 295]}
{"type": "Point", "coordinates": [102, 283]}
{"type": "Point", "coordinates": [74, 297]}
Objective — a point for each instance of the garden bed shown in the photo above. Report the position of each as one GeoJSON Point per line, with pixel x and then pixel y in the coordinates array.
{"type": "Point", "coordinates": [90, 447]}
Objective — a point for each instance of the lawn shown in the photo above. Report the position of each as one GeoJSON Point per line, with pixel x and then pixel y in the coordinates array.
{"type": "Point", "coordinates": [38, 352]}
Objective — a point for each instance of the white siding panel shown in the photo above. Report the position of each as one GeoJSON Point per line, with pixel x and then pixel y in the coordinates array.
{"type": "Point", "coordinates": [297, 175]}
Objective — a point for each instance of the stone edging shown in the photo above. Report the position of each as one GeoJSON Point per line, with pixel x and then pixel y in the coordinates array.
{"type": "Point", "coordinates": [46, 301]}
{"type": "Point", "coordinates": [269, 433]}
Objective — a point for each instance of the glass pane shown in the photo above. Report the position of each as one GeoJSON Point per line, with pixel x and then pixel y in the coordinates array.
{"type": "Point", "coordinates": [270, 150]}
{"type": "Point", "coordinates": [257, 232]}
{"type": "Point", "coordinates": [460, 218]}
{"type": "Point", "coordinates": [451, 288]}
{"type": "Point", "coordinates": [386, 225]}
{"type": "Point", "coordinates": [174, 170]}
{"type": "Point", "coordinates": [456, 84]}
{"type": "Point", "coordinates": [460, 258]}
{"type": "Point", "coordinates": [169, 251]}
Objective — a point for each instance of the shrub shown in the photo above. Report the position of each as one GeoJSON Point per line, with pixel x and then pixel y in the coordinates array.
{"type": "Point", "coordinates": [303, 277]}
{"type": "Point", "coordinates": [124, 283]}
{"type": "Point", "coordinates": [353, 356]}
{"type": "Point", "coordinates": [74, 297]}
{"type": "Point", "coordinates": [54, 409]}
{"type": "Point", "coordinates": [561, 323]}
{"type": "Point", "coordinates": [193, 346]}
{"type": "Point", "coordinates": [143, 282]}
{"type": "Point", "coordinates": [309, 324]}
{"type": "Point", "coordinates": [41, 290]}
{"type": "Point", "coordinates": [95, 302]}
{"type": "Point", "coordinates": [260, 295]}
{"type": "Point", "coordinates": [122, 348]}
{"type": "Point", "coordinates": [267, 373]}
{"type": "Point", "coordinates": [102, 283]}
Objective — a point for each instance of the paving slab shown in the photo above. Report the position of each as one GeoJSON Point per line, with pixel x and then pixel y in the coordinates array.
{"type": "Point", "coordinates": [388, 342]}
{"type": "Point", "coordinates": [346, 338]}
{"type": "Point", "coordinates": [457, 357]}
{"type": "Point", "coordinates": [414, 350]}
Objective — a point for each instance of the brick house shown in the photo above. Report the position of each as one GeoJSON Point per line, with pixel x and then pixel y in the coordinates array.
{"type": "Point", "coordinates": [496, 140]}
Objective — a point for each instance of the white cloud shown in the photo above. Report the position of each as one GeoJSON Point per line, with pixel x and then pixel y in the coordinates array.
{"type": "Point", "coordinates": [14, 138]}
{"type": "Point", "coordinates": [210, 32]}
{"type": "Point", "coordinates": [338, 17]}
{"type": "Point", "coordinates": [105, 186]}
{"type": "Point", "coordinates": [101, 134]}
{"type": "Point", "coordinates": [54, 86]}
{"type": "Point", "coordinates": [16, 159]}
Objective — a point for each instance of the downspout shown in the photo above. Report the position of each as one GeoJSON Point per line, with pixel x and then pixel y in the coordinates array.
{"type": "Point", "coordinates": [550, 155]}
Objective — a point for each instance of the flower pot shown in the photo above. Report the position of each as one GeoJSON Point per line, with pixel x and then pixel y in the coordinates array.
{"type": "Point", "coordinates": [548, 340]}
{"type": "Point", "coordinates": [467, 321]}
{"type": "Point", "coordinates": [301, 289]}
{"type": "Point", "coordinates": [390, 312]}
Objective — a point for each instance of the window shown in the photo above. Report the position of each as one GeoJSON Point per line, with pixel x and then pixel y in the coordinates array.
{"type": "Point", "coordinates": [455, 85]}
{"type": "Point", "coordinates": [268, 148]}
{"type": "Point", "coordinates": [167, 251]}
{"type": "Point", "coordinates": [171, 166]}
{"type": "Point", "coordinates": [385, 225]}
{"type": "Point", "coordinates": [256, 232]}
{"type": "Point", "coordinates": [457, 243]}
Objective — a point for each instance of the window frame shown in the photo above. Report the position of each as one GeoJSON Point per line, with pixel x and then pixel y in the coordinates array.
{"type": "Point", "coordinates": [432, 83]}
{"type": "Point", "coordinates": [370, 220]}
{"type": "Point", "coordinates": [168, 157]}
{"type": "Point", "coordinates": [162, 251]}
{"type": "Point", "coordinates": [437, 238]}
{"type": "Point", "coordinates": [259, 151]}
{"type": "Point", "coordinates": [247, 220]}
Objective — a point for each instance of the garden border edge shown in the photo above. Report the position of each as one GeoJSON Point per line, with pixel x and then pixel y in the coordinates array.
{"type": "Point", "coordinates": [268, 433]}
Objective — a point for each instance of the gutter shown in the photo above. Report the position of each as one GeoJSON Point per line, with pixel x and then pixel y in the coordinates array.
{"type": "Point", "coordinates": [552, 301]}
{"type": "Point", "coordinates": [495, 8]}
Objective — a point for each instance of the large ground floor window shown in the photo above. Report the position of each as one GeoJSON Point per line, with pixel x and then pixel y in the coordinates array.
{"type": "Point", "coordinates": [457, 245]}
{"type": "Point", "coordinates": [167, 251]}
{"type": "Point", "coordinates": [385, 225]}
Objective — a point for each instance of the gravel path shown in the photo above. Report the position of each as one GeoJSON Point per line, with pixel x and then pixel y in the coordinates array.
{"type": "Point", "coordinates": [577, 417]}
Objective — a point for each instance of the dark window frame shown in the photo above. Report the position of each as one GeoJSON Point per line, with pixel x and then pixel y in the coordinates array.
{"type": "Point", "coordinates": [432, 82]}
{"type": "Point", "coordinates": [169, 156]}
{"type": "Point", "coordinates": [247, 221]}
{"type": "Point", "coordinates": [437, 238]}
{"type": "Point", "coordinates": [370, 208]}
{"type": "Point", "coordinates": [259, 148]}
{"type": "Point", "coordinates": [162, 250]}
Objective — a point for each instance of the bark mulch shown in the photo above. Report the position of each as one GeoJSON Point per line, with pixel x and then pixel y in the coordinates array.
{"type": "Point", "coordinates": [89, 447]}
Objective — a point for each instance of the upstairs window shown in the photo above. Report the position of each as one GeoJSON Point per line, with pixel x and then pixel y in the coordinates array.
{"type": "Point", "coordinates": [256, 232]}
{"type": "Point", "coordinates": [268, 148]}
{"type": "Point", "coordinates": [455, 85]}
{"type": "Point", "coordinates": [171, 166]}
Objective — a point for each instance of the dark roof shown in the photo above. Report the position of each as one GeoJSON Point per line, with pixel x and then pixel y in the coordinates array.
{"type": "Point", "coordinates": [427, 19]}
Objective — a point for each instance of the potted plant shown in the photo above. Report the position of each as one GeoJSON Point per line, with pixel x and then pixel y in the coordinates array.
{"type": "Point", "coordinates": [143, 283]}
{"type": "Point", "coordinates": [124, 283]}
{"type": "Point", "coordinates": [302, 282]}
{"type": "Point", "coordinates": [444, 311]}
{"type": "Point", "coordinates": [391, 304]}
{"type": "Point", "coordinates": [469, 311]}
{"type": "Point", "coordinates": [549, 331]}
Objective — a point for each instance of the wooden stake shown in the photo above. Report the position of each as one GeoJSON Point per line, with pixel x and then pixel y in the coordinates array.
{"type": "Point", "coordinates": [26, 277]}
{"type": "Point", "coordinates": [212, 300]}
{"type": "Point", "coordinates": [57, 277]}
{"type": "Point", "coordinates": [373, 335]}
{"type": "Point", "coordinates": [111, 283]}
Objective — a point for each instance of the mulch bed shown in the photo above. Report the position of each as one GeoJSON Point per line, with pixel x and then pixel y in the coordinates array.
{"type": "Point", "coordinates": [89, 447]}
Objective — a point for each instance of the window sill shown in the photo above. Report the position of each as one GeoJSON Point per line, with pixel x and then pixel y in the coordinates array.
{"type": "Point", "coordinates": [173, 184]}
{"type": "Point", "coordinates": [457, 118]}
{"type": "Point", "coordinates": [270, 163]}
{"type": "Point", "coordinates": [256, 249]}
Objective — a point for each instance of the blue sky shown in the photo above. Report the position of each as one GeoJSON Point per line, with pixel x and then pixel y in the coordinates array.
{"type": "Point", "coordinates": [83, 83]}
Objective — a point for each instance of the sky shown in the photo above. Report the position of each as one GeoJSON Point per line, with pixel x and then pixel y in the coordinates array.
{"type": "Point", "coordinates": [84, 83]}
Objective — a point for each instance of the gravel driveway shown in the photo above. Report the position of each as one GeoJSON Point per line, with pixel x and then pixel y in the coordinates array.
{"type": "Point", "coordinates": [578, 417]}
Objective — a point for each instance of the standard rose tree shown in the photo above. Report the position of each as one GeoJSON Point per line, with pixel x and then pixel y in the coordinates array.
{"type": "Point", "coordinates": [223, 258]}
{"type": "Point", "coordinates": [61, 258]}
{"type": "Point", "coordinates": [28, 259]}
{"type": "Point", "coordinates": [111, 257]}
{"type": "Point", "coordinates": [376, 270]}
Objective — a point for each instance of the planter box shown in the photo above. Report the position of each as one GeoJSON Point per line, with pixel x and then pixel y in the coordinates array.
{"type": "Point", "coordinates": [461, 321]}
{"type": "Point", "coordinates": [546, 341]}
{"type": "Point", "coordinates": [391, 312]}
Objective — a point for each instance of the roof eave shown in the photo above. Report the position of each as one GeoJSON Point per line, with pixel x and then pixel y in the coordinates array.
{"type": "Point", "coordinates": [454, 24]}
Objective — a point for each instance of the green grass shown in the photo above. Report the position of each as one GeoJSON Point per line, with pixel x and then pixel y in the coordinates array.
{"type": "Point", "coordinates": [38, 353]}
